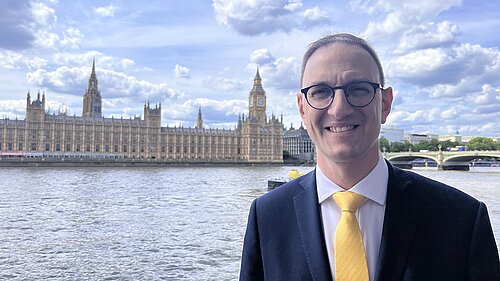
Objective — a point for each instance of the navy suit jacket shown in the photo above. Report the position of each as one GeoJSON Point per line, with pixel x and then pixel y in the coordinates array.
{"type": "Point", "coordinates": [431, 231]}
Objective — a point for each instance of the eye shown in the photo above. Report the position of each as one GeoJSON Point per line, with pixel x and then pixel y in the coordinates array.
{"type": "Point", "coordinates": [360, 90]}
{"type": "Point", "coordinates": [319, 93]}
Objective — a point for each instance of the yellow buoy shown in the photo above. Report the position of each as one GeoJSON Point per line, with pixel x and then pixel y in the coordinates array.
{"type": "Point", "coordinates": [293, 174]}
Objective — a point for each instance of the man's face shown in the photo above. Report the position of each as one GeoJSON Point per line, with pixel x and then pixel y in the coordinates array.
{"type": "Point", "coordinates": [343, 133]}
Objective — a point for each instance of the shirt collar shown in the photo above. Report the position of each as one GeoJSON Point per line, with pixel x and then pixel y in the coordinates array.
{"type": "Point", "coordinates": [373, 186]}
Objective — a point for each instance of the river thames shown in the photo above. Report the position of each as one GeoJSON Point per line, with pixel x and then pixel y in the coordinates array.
{"type": "Point", "coordinates": [180, 223]}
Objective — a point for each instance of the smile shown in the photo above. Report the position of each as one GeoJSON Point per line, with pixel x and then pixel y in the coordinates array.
{"type": "Point", "coordinates": [341, 128]}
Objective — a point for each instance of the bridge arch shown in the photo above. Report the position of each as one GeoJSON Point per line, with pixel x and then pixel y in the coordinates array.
{"type": "Point", "coordinates": [404, 160]}
{"type": "Point", "coordinates": [446, 160]}
{"type": "Point", "coordinates": [411, 157]}
{"type": "Point", "coordinates": [467, 157]}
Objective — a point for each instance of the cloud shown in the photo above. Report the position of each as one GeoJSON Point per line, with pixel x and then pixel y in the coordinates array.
{"type": "Point", "coordinates": [47, 40]}
{"type": "Point", "coordinates": [254, 17]}
{"type": "Point", "coordinates": [262, 57]}
{"type": "Point", "coordinates": [451, 113]}
{"type": "Point", "coordinates": [459, 114]}
{"type": "Point", "coordinates": [29, 24]}
{"type": "Point", "coordinates": [221, 84]}
{"type": "Point", "coordinates": [44, 16]}
{"type": "Point", "coordinates": [281, 73]}
{"type": "Point", "coordinates": [14, 60]}
{"type": "Point", "coordinates": [106, 11]}
{"type": "Point", "coordinates": [488, 95]}
{"type": "Point", "coordinates": [216, 113]}
{"type": "Point", "coordinates": [15, 20]}
{"type": "Point", "coordinates": [428, 35]}
{"type": "Point", "coordinates": [400, 15]}
{"type": "Point", "coordinates": [44, 20]}
{"type": "Point", "coordinates": [182, 72]}
{"type": "Point", "coordinates": [113, 84]}
{"type": "Point", "coordinates": [85, 60]}
{"type": "Point", "coordinates": [315, 15]}
{"type": "Point", "coordinates": [72, 37]}
{"type": "Point", "coordinates": [12, 109]}
{"type": "Point", "coordinates": [447, 71]}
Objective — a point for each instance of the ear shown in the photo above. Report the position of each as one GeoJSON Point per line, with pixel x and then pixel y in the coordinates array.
{"type": "Point", "coordinates": [387, 98]}
{"type": "Point", "coordinates": [301, 103]}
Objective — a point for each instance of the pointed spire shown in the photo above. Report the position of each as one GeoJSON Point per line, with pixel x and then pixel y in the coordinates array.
{"type": "Point", "coordinates": [199, 121]}
{"type": "Point", "coordinates": [93, 67]}
{"type": "Point", "coordinates": [257, 75]}
{"type": "Point", "coordinates": [257, 83]}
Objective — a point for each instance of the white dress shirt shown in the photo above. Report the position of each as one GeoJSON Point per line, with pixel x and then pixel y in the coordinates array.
{"type": "Point", "coordinates": [370, 214]}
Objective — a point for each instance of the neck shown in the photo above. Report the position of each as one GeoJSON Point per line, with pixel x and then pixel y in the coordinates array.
{"type": "Point", "coordinates": [348, 174]}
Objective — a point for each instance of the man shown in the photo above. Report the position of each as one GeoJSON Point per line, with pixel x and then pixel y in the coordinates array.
{"type": "Point", "coordinates": [405, 227]}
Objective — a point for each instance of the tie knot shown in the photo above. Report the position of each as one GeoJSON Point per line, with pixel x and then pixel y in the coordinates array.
{"type": "Point", "coordinates": [348, 201]}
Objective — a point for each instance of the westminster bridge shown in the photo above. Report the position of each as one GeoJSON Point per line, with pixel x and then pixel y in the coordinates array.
{"type": "Point", "coordinates": [457, 160]}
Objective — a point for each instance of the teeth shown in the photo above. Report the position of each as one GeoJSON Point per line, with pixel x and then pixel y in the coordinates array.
{"type": "Point", "coordinates": [341, 129]}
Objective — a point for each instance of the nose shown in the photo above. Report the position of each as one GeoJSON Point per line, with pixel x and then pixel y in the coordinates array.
{"type": "Point", "coordinates": [340, 107]}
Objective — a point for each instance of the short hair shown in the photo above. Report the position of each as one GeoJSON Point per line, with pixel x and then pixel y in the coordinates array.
{"type": "Point", "coordinates": [341, 38]}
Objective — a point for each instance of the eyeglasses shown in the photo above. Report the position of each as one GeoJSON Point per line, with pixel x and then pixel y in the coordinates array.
{"type": "Point", "coordinates": [357, 93]}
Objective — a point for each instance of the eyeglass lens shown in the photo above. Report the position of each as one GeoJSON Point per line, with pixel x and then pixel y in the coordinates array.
{"type": "Point", "coordinates": [357, 94]}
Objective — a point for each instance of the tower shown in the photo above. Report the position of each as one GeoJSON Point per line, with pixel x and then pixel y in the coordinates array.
{"type": "Point", "coordinates": [35, 110]}
{"type": "Point", "coordinates": [92, 104]}
{"type": "Point", "coordinates": [152, 116]}
{"type": "Point", "coordinates": [199, 121]}
{"type": "Point", "coordinates": [257, 100]}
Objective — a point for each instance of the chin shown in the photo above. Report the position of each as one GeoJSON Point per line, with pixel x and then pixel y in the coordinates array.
{"type": "Point", "coordinates": [347, 154]}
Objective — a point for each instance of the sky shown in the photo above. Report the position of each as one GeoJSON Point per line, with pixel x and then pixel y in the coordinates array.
{"type": "Point", "coordinates": [441, 58]}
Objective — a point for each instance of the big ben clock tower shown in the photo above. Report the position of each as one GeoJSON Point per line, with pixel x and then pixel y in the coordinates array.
{"type": "Point", "coordinates": [257, 100]}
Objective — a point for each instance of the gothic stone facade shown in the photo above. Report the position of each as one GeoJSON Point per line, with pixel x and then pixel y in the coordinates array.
{"type": "Point", "coordinates": [256, 139]}
{"type": "Point", "coordinates": [298, 143]}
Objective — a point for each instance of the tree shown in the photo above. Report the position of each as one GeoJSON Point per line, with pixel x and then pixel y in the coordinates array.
{"type": "Point", "coordinates": [402, 146]}
{"type": "Point", "coordinates": [481, 143]}
{"type": "Point", "coordinates": [448, 144]}
{"type": "Point", "coordinates": [384, 144]}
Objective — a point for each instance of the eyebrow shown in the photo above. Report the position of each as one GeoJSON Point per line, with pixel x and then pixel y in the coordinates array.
{"type": "Point", "coordinates": [326, 83]}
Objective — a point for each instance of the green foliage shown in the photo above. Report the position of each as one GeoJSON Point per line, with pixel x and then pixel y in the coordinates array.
{"type": "Point", "coordinates": [384, 145]}
{"type": "Point", "coordinates": [482, 143]}
{"type": "Point", "coordinates": [446, 145]}
{"type": "Point", "coordinates": [395, 146]}
{"type": "Point", "coordinates": [478, 143]}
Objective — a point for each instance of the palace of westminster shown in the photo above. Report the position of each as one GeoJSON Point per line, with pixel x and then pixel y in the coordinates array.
{"type": "Point", "coordinates": [256, 139]}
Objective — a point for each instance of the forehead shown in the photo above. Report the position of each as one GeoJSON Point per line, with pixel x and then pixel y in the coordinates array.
{"type": "Point", "coordinates": [338, 63]}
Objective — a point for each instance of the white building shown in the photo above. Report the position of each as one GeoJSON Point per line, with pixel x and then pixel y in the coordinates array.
{"type": "Point", "coordinates": [392, 134]}
{"type": "Point", "coordinates": [417, 138]}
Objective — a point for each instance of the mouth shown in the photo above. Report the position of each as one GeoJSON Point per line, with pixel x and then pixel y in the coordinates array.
{"type": "Point", "coordinates": [341, 129]}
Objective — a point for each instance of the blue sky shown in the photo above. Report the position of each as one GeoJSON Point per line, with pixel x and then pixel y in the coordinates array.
{"type": "Point", "coordinates": [442, 58]}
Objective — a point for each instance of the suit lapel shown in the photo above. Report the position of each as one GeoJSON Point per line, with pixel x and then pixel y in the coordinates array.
{"type": "Point", "coordinates": [307, 211]}
{"type": "Point", "coordinates": [399, 227]}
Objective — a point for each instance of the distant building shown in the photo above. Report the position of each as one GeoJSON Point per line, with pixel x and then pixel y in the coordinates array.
{"type": "Point", "coordinates": [417, 138]}
{"type": "Point", "coordinates": [454, 138]}
{"type": "Point", "coordinates": [298, 143]}
{"type": "Point", "coordinates": [462, 139]}
{"type": "Point", "coordinates": [256, 139]}
{"type": "Point", "coordinates": [392, 134]}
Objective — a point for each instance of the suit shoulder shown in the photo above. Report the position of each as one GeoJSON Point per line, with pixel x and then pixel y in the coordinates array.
{"type": "Point", "coordinates": [287, 191]}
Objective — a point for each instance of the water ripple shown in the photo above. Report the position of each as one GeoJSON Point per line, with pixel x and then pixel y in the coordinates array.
{"type": "Point", "coordinates": [144, 223]}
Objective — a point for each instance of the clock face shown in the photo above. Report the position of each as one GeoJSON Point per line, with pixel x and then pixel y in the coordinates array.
{"type": "Point", "coordinates": [260, 101]}
{"type": "Point", "coordinates": [251, 102]}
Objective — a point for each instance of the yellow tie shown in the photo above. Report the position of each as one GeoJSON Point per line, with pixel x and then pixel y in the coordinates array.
{"type": "Point", "coordinates": [350, 258]}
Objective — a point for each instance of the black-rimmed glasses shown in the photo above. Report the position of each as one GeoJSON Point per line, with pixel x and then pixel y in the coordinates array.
{"type": "Point", "coordinates": [357, 93]}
